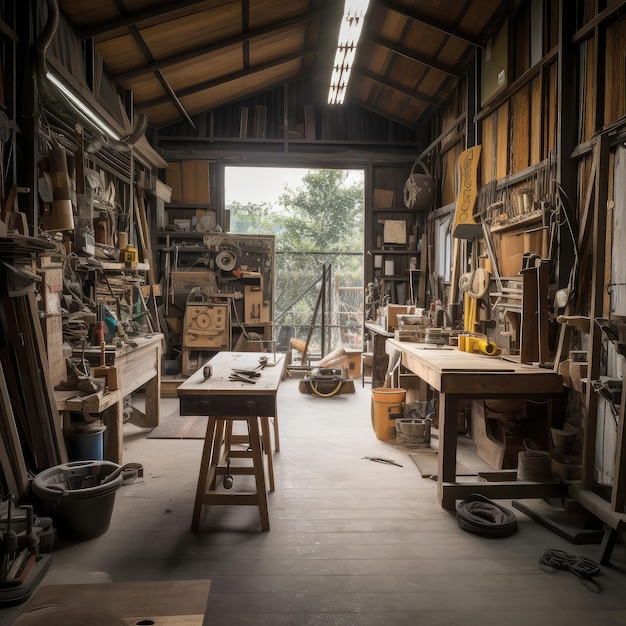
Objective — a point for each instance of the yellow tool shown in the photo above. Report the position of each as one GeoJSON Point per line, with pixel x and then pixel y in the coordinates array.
{"type": "Point", "coordinates": [470, 343]}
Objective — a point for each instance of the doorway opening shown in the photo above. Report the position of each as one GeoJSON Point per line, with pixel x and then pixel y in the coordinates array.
{"type": "Point", "coordinates": [317, 219]}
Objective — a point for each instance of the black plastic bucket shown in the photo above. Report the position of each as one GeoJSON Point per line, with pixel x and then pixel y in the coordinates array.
{"type": "Point", "coordinates": [74, 495]}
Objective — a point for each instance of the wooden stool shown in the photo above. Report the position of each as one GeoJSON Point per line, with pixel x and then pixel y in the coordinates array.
{"type": "Point", "coordinates": [212, 464]}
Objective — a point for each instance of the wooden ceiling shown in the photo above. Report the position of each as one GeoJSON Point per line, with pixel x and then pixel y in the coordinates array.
{"type": "Point", "coordinates": [186, 57]}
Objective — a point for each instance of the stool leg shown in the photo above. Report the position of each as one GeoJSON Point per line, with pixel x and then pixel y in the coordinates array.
{"type": "Point", "coordinates": [259, 472]}
{"type": "Point", "coordinates": [208, 461]}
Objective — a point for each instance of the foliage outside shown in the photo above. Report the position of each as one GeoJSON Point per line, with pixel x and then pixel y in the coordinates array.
{"type": "Point", "coordinates": [316, 224]}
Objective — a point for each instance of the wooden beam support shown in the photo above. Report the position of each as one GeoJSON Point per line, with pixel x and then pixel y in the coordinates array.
{"type": "Point", "coordinates": [597, 297]}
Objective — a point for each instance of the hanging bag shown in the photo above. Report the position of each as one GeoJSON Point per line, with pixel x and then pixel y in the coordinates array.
{"type": "Point", "coordinates": [419, 189]}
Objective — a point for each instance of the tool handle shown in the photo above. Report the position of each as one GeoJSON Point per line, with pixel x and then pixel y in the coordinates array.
{"type": "Point", "coordinates": [103, 354]}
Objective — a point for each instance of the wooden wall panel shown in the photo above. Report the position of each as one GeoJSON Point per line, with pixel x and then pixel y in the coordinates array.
{"type": "Point", "coordinates": [537, 121]}
{"type": "Point", "coordinates": [502, 150]}
{"type": "Point", "coordinates": [449, 186]}
{"type": "Point", "coordinates": [487, 160]}
{"type": "Point", "coordinates": [551, 107]}
{"type": "Point", "coordinates": [588, 58]}
{"type": "Point", "coordinates": [615, 86]}
{"type": "Point", "coordinates": [520, 129]}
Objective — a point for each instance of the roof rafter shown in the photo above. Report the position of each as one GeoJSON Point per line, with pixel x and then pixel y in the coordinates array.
{"type": "Point", "coordinates": [216, 82]}
{"type": "Point", "coordinates": [391, 84]}
{"type": "Point", "coordinates": [433, 23]}
{"type": "Point", "coordinates": [132, 19]}
{"type": "Point", "coordinates": [215, 46]}
{"type": "Point", "coordinates": [413, 56]}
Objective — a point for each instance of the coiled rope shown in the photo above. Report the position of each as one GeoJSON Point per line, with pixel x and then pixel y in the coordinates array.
{"type": "Point", "coordinates": [482, 516]}
{"type": "Point", "coordinates": [579, 565]}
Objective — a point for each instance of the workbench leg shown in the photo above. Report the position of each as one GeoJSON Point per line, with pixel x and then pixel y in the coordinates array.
{"type": "Point", "coordinates": [259, 473]}
{"type": "Point", "coordinates": [221, 438]}
{"type": "Point", "coordinates": [267, 447]}
{"type": "Point", "coordinates": [205, 464]}
{"type": "Point", "coordinates": [153, 401]}
{"type": "Point", "coordinates": [114, 434]}
{"type": "Point", "coordinates": [275, 421]}
{"type": "Point", "coordinates": [608, 543]}
{"type": "Point", "coordinates": [448, 427]}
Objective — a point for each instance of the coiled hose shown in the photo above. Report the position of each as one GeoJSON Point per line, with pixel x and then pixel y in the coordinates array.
{"type": "Point", "coordinates": [482, 516]}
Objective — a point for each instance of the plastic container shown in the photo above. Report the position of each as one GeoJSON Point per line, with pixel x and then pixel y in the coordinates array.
{"type": "Point", "coordinates": [86, 444]}
{"type": "Point", "coordinates": [386, 408]}
{"type": "Point", "coordinates": [76, 497]}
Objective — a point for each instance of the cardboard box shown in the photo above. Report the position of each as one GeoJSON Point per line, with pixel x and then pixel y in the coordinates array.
{"type": "Point", "coordinates": [393, 310]}
{"type": "Point", "coordinates": [383, 198]}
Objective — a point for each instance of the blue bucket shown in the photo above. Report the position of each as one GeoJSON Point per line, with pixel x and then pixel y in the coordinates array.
{"type": "Point", "coordinates": [86, 444]}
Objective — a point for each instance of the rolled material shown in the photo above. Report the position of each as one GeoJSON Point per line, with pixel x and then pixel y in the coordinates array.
{"type": "Point", "coordinates": [60, 216]}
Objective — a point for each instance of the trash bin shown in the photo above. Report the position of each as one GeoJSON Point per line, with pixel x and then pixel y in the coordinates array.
{"type": "Point", "coordinates": [79, 496]}
{"type": "Point", "coordinates": [386, 408]}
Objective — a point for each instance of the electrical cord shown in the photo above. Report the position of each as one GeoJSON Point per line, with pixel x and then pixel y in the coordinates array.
{"type": "Point", "coordinates": [482, 516]}
{"type": "Point", "coordinates": [584, 568]}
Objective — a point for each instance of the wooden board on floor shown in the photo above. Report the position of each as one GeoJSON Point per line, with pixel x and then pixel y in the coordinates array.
{"type": "Point", "coordinates": [182, 600]}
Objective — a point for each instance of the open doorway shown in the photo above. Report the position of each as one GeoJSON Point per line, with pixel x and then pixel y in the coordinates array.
{"type": "Point", "coordinates": [317, 218]}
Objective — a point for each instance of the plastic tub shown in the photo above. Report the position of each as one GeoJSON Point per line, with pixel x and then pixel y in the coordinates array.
{"type": "Point", "coordinates": [74, 495]}
{"type": "Point", "coordinates": [386, 408]}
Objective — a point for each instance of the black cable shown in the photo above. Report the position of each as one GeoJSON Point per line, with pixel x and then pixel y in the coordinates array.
{"type": "Point", "coordinates": [579, 565]}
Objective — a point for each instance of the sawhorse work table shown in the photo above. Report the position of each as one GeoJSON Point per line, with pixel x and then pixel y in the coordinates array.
{"type": "Point", "coordinates": [458, 375]}
{"type": "Point", "coordinates": [225, 401]}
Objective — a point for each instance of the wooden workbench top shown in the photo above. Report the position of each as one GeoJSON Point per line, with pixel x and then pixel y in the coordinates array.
{"type": "Point", "coordinates": [223, 363]}
{"type": "Point", "coordinates": [452, 370]}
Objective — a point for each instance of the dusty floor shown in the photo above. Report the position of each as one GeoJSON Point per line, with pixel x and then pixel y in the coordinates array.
{"type": "Point", "coordinates": [352, 541]}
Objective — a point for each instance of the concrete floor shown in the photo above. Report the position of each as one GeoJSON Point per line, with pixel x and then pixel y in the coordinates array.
{"type": "Point", "coordinates": [352, 542]}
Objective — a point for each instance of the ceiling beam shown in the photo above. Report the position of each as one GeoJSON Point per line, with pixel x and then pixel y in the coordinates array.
{"type": "Point", "coordinates": [132, 19]}
{"type": "Point", "coordinates": [308, 75]}
{"type": "Point", "coordinates": [216, 82]}
{"type": "Point", "coordinates": [380, 112]}
{"type": "Point", "coordinates": [429, 21]}
{"type": "Point", "coordinates": [414, 56]}
{"type": "Point", "coordinates": [391, 84]}
{"type": "Point", "coordinates": [215, 46]}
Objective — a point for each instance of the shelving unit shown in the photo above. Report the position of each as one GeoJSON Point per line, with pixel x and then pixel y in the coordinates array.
{"type": "Point", "coordinates": [393, 238]}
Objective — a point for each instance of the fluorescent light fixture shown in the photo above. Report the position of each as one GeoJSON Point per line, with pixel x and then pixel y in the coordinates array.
{"type": "Point", "coordinates": [83, 108]}
{"type": "Point", "coordinates": [349, 33]}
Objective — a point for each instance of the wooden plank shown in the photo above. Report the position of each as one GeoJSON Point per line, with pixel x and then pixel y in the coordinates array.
{"type": "Point", "coordinates": [618, 494]}
{"type": "Point", "coordinates": [144, 600]}
{"type": "Point", "coordinates": [537, 117]}
{"type": "Point", "coordinates": [174, 179]}
{"type": "Point", "coordinates": [529, 335]}
{"type": "Point", "coordinates": [502, 133]}
{"type": "Point", "coordinates": [13, 464]}
{"type": "Point", "coordinates": [520, 123]}
{"type": "Point", "coordinates": [597, 288]}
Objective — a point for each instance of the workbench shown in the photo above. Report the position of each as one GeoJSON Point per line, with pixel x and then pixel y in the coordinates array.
{"type": "Point", "coordinates": [138, 364]}
{"type": "Point", "coordinates": [224, 401]}
{"type": "Point", "coordinates": [458, 375]}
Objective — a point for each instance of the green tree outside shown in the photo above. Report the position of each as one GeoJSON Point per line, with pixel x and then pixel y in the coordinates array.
{"type": "Point", "coordinates": [317, 224]}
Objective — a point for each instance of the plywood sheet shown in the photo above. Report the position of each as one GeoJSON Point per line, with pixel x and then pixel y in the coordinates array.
{"type": "Point", "coordinates": [520, 123]}
{"type": "Point", "coordinates": [502, 150]}
{"type": "Point", "coordinates": [172, 598]}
